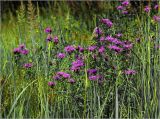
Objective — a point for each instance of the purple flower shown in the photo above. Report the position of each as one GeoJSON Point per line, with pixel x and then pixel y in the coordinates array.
{"type": "Point", "coordinates": [72, 81]}
{"type": "Point", "coordinates": [24, 52]}
{"type": "Point", "coordinates": [120, 7]}
{"type": "Point", "coordinates": [119, 35]}
{"type": "Point", "coordinates": [27, 65]}
{"type": "Point", "coordinates": [127, 46]}
{"type": "Point", "coordinates": [55, 40]}
{"type": "Point", "coordinates": [48, 30]}
{"type": "Point", "coordinates": [76, 65]}
{"type": "Point", "coordinates": [80, 49]}
{"type": "Point", "coordinates": [107, 22]}
{"type": "Point", "coordinates": [56, 77]}
{"type": "Point", "coordinates": [125, 3]}
{"type": "Point", "coordinates": [113, 40]}
{"type": "Point", "coordinates": [115, 48]}
{"type": "Point", "coordinates": [101, 49]}
{"type": "Point", "coordinates": [102, 39]}
{"type": "Point", "coordinates": [124, 12]}
{"type": "Point", "coordinates": [156, 7]}
{"type": "Point", "coordinates": [97, 31]}
{"type": "Point", "coordinates": [51, 83]}
{"type": "Point", "coordinates": [22, 46]}
{"type": "Point", "coordinates": [49, 37]}
{"type": "Point", "coordinates": [91, 71]}
{"type": "Point", "coordinates": [94, 78]}
{"type": "Point", "coordinates": [130, 72]}
{"type": "Point", "coordinates": [63, 74]}
{"type": "Point", "coordinates": [16, 50]}
{"type": "Point", "coordinates": [92, 48]}
{"type": "Point", "coordinates": [61, 55]}
{"type": "Point", "coordinates": [69, 49]}
{"type": "Point", "coordinates": [156, 18]}
{"type": "Point", "coordinates": [147, 9]}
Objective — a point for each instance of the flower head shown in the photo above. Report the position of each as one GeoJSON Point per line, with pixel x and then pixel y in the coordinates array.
{"type": "Point", "coordinates": [72, 81]}
{"type": "Point", "coordinates": [91, 71]}
{"type": "Point", "coordinates": [125, 3]}
{"type": "Point", "coordinates": [92, 48]}
{"type": "Point", "coordinates": [147, 9]}
{"type": "Point", "coordinates": [156, 18]}
{"type": "Point", "coordinates": [76, 65]}
{"type": "Point", "coordinates": [80, 49]}
{"type": "Point", "coordinates": [16, 50]}
{"type": "Point", "coordinates": [124, 12]}
{"type": "Point", "coordinates": [61, 55]}
{"type": "Point", "coordinates": [119, 35]}
{"type": "Point", "coordinates": [101, 49]}
{"type": "Point", "coordinates": [22, 46]}
{"type": "Point", "coordinates": [27, 65]}
{"type": "Point", "coordinates": [113, 40]}
{"type": "Point", "coordinates": [130, 72]}
{"type": "Point", "coordinates": [48, 30]}
{"type": "Point", "coordinates": [120, 7]}
{"type": "Point", "coordinates": [49, 37]}
{"type": "Point", "coordinates": [97, 31]}
{"type": "Point", "coordinates": [56, 77]}
{"type": "Point", "coordinates": [107, 22]}
{"type": "Point", "coordinates": [55, 40]}
{"type": "Point", "coordinates": [69, 49]}
{"type": "Point", "coordinates": [63, 74]}
{"type": "Point", "coordinates": [127, 46]}
{"type": "Point", "coordinates": [51, 83]}
{"type": "Point", "coordinates": [94, 78]}
{"type": "Point", "coordinates": [102, 39]}
{"type": "Point", "coordinates": [156, 7]}
{"type": "Point", "coordinates": [115, 48]}
{"type": "Point", "coordinates": [24, 51]}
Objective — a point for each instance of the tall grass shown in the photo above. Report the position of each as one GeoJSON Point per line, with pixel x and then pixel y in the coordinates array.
{"type": "Point", "coordinates": [25, 93]}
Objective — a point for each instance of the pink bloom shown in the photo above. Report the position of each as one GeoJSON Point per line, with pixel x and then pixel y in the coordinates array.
{"type": "Point", "coordinates": [147, 9]}
{"type": "Point", "coordinates": [125, 3]}
{"type": "Point", "coordinates": [101, 49]}
{"type": "Point", "coordinates": [51, 83]}
{"type": "Point", "coordinates": [61, 55]}
{"type": "Point", "coordinates": [130, 72]}
{"type": "Point", "coordinates": [16, 50]}
{"type": "Point", "coordinates": [55, 40]}
{"type": "Point", "coordinates": [72, 81]}
{"type": "Point", "coordinates": [24, 52]}
{"type": "Point", "coordinates": [48, 30]}
{"type": "Point", "coordinates": [107, 22]}
{"type": "Point", "coordinates": [156, 18]}
{"type": "Point", "coordinates": [119, 35]}
{"type": "Point", "coordinates": [115, 48]}
{"type": "Point", "coordinates": [156, 7]}
{"type": "Point", "coordinates": [120, 7]}
{"type": "Point", "coordinates": [124, 12]}
{"type": "Point", "coordinates": [27, 65]}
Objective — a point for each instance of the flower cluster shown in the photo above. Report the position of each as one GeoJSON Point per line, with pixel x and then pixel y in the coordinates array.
{"type": "Point", "coordinates": [50, 38]}
{"type": "Point", "coordinates": [61, 76]}
{"type": "Point", "coordinates": [107, 22]}
{"type": "Point", "coordinates": [129, 72]}
{"type": "Point", "coordinates": [76, 65]}
{"type": "Point", "coordinates": [96, 54]}
{"type": "Point", "coordinates": [21, 50]}
{"type": "Point", "coordinates": [69, 49]}
{"type": "Point", "coordinates": [27, 65]}
{"type": "Point", "coordinates": [123, 7]}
